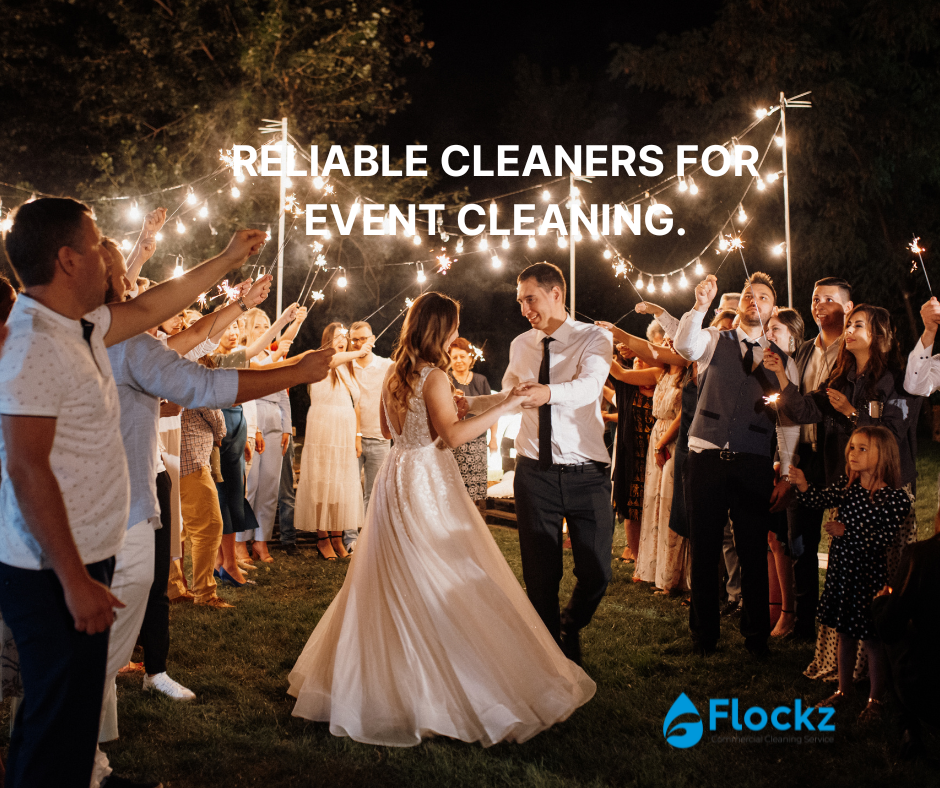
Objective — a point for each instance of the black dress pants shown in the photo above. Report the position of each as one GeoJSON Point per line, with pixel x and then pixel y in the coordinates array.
{"type": "Point", "coordinates": [716, 489]}
{"type": "Point", "coordinates": [806, 523]}
{"type": "Point", "coordinates": [155, 629]}
{"type": "Point", "coordinates": [543, 499]}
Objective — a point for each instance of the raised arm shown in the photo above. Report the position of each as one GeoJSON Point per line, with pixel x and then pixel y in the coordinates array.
{"type": "Point", "coordinates": [160, 303]}
{"type": "Point", "coordinates": [922, 377]}
{"type": "Point", "coordinates": [439, 398]}
{"type": "Point", "coordinates": [146, 243]}
{"type": "Point", "coordinates": [287, 338]}
{"type": "Point", "coordinates": [267, 337]}
{"type": "Point", "coordinates": [636, 377]}
{"type": "Point", "coordinates": [655, 355]}
{"type": "Point", "coordinates": [690, 341]}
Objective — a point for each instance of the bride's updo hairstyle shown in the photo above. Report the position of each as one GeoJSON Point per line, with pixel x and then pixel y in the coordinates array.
{"type": "Point", "coordinates": [427, 327]}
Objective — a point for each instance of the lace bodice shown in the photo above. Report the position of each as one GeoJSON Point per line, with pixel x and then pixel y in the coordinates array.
{"type": "Point", "coordinates": [667, 397]}
{"type": "Point", "coordinates": [415, 432]}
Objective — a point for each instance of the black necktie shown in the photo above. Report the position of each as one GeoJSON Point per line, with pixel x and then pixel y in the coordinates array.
{"type": "Point", "coordinates": [748, 359]}
{"type": "Point", "coordinates": [545, 411]}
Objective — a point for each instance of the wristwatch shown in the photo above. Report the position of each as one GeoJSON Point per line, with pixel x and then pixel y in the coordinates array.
{"type": "Point", "coordinates": [241, 302]}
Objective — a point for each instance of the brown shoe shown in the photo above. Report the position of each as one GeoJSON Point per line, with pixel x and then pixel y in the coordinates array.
{"type": "Point", "coordinates": [216, 602]}
{"type": "Point", "coordinates": [186, 597]}
{"type": "Point", "coordinates": [873, 713]}
{"type": "Point", "coordinates": [834, 701]}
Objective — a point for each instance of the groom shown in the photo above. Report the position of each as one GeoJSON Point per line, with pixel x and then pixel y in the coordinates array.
{"type": "Point", "coordinates": [562, 463]}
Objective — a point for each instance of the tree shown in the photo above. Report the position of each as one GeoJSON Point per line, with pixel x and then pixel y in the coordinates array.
{"type": "Point", "coordinates": [864, 162]}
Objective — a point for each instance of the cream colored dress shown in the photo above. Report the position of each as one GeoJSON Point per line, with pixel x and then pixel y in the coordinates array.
{"type": "Point", "coordinates": [431, 633]}
{"type": "Point", "coordinates": [329, 495]}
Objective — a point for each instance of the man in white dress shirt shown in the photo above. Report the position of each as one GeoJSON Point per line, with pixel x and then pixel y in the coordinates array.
{"type": "Point", "coordinates": [731, 451]}
{"type": "Point", "coordinates": [922, 377]}
{"type": "Point", "coordinates": [561, 460]}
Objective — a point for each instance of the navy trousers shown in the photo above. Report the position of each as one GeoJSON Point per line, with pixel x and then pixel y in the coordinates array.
{"type": "Point", "coordinates": [232, 460]}
{"type": "Point", "coordinates": [155, 629]}
{"type": "Point", "coordinates": [56, 728]}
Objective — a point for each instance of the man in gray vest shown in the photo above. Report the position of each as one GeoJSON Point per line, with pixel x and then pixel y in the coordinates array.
{"type": "Point", "coordinates": [730, 470]}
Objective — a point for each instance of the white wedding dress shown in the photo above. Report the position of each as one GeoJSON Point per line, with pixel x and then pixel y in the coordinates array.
{"type": "Point", "coordinates": [431, 634]}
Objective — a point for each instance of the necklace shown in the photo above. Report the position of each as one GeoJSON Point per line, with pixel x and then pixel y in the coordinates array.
{"type": "Point", "coordinates": [464, 382]}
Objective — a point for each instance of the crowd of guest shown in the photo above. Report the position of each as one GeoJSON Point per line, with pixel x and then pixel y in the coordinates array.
{"type": "Point", "coordinates": [135, 428]}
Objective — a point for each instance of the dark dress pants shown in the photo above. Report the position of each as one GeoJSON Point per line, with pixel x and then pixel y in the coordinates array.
{"type": "Point", "coordinates": [155, 629]}
{"type": "Point", "coordinates": [56, 728]}
{"type": "Point", "coordinates": [806, 523]}
{"type": "Point", "coordinates": [716, 489]}
{"type": "Point", "coordinates": [232, 462]}
{"type": "Point", "coordinates": [543, 500]}
{"type": "Point", "coordinates": [285, 498]}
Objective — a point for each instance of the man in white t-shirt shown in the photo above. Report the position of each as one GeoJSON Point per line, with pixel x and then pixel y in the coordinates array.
{"type": "Point", "coordinates": [64, 496]}
{"type": "Point", "coordinates": [370, 374]}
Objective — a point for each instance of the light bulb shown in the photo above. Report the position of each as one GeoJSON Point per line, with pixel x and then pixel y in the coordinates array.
{"type": "Point", "coordinates": [126, 245]}
{"type": "Point", "coordinates": [497, 263]}
{"type": "Point", "coordinates": [191, 197]}
{"type": "Point", "coordinates": [683, 282]}
{"type": "Point", "coordinates": [723, 244]}
{"type": "Point", "coordinates": [240, 178]}
{"type": "Point", "coordinates": [159, 237]}
{"type": "Point", "coordinates": [484, 243]}
{"type": "Point", "coordinates": [546, 195]}
{"type": "Point", "coordinates": [779, 141]}
{"type": "Point", "coordinates": [666, 286]}
{"type": "Point", "coordinates": [699, 269]}
{"type": "Point", "coordinates": [505, 243]}
{"type": "Point", "coordinates": [652, 286]}
{"type": "Point", "coordinates": [178, 271]}
{"type": "Point", "coordinates": [459, 245]}
{"type": "Point", "coordinates": [683, 186]}
{"type": "Point", "coordinates": [543, 229]}
{"type": "Point", "coordinates": [760, 184]}
{"type": "Point", "coordinates": [761, 113]}
{"type": "Point", "coordinates": [134, 211]}
{"type": "Point", "coordinates": [318, 182]}
{"type": "Point", "coordinates": [742, 216]}
{"type": "Point", "coordinates": [639, 283]}
{"type": "Point", "coordinates": [693, 189]}
{"type": "Point", "coordinates": [180, 227]}
{"type": "Point", "coordinates": [577, 235]}
{"type": "Point", "coordinates": [607, 254]}
{"type": "Point", "coordinates": [772, 177]}
{"type": "Point", "coordinates": [204, 211]}
{"type": "Point", "coordinates": [562, 241]}
{"type": "Point", "coordinates": [416, 240]}
{"type": "Point", "coordinates": [235, 192]}
{"type": "Point", "coordinates": [342, 282]}
{"type": "Point", "coordinates": [421, 275]}
{"type": "Point", "coordinates": [778, 249]}
{"type": "Point", "coordinates": [531, 242]}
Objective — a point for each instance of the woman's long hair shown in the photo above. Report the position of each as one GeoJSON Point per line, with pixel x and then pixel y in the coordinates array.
{"type": "Point", "coordinates": [888, 467]}
{"type": "Point", "coordinates": [427, 327]}
{"type": "Point", "coordinates": [884, 355]}
{"type": "Point", "coordinates": [795, 326]}
{"type": "Point", "coordinates": [329, 334]}
{"type": "Point", "coordinates": [254, 319]}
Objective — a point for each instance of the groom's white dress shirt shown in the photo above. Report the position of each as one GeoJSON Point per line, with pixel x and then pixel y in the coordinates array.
{"type": "Point", "coordinates": [580, 363]}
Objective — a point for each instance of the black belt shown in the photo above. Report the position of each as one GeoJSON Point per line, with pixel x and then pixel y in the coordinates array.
{"type": "Point", "coordinates": [727, 455]}
{"type": "Point", "coordinates": [577, 467]}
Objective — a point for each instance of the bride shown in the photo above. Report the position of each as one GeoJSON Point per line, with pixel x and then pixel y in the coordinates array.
{"type": "Point", "coordinates": [431, 633]}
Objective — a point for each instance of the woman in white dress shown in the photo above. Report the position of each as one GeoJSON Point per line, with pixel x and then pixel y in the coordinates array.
{"type": "Point", "coordinates": [329, 494]}
{"type": "Point", "coordinates": [431, 633]}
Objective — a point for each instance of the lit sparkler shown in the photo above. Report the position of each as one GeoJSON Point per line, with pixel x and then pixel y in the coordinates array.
{"type": "Point", "coordinates": [317, 295]}
{"type": "Point", "coordinates": [917, 249]}
{"type": "Point", "coordinates": [202, 302]}
{"type": "Point", "coordinates": [444, 263]}
{"type": "Point", "coordinates": [477, 353]}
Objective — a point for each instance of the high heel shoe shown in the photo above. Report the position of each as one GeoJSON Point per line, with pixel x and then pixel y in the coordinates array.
{"type": "Point", "coordinates": [784, 631]}
{"type": "Point", "coordinates": [258, 557]}
{"type": "Point", "coordinates": [328, 553]}
{"type": "Point", "coordinates": [225, 577]}
{"type": "Point", "coordinates": [336, 540]}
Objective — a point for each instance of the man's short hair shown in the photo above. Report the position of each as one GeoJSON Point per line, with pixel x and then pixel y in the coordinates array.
{"type": "Point", "coordinates": [40, 228]}
{"type": "Point", "coordinates": [360, 324]}
{"type": "Point", "coordinates": [546, 276]}
{"type": "Point", "coordinates": [760, 278]}
{"type": "Point", "coordinates": [845, 289]}
{"type": "Point", "coordinates": [729, 297]}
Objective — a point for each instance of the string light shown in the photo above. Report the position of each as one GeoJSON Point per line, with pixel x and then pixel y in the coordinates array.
{"type": "Point", "coordinates": [761, 113]}
{"type": "Point", "coordinates": [562, 241]}
{"type": "Point", "coordinates": [158, 237]}
{"type": "Point", "coordinates": [240, 178]}
{"type": "Point", "coordinates": [777, 249]}
{"type": "Point", "coordinates": [639, 282]}
{"type": "Point", "coordinates": [178, 270]}
{"type": "Point", "coordinates": [191, 196]}
{"type": "Point", "coordinates": [459, 247]}
{"type": "Point", "coordinates": [484, 243]}
{"type": "Point", "coordinates": [421, 275]}
{"type": "Point", "coordinates": [497, 263]}
{"type": "Point", "coordinates": [652, 286]}
{"type": "Point", "coordinates": [126, 245]}
{"type": "Point", "coordinates": [546, 195]}
{"type": "Point", "coordinates": [760, 184]}
{"type": "Point", "coordinates": [683, 186]}
{"type": "Point", "coordinates": [666, 286]}
{"type": "Point", "coordinates": [779, 140]}
{"type": "Point", "coordinates": [723, 244]}
{"type": "Point", "coordinates": [505, 243]}
{"type": "Point", "coordinates": [235, 192]}
{"type": "Point", "coordinates": [531, 242]}
{"type": "Point", "coordinates": [342, 281]}
{"type": "Point", "coordinates": [699, 268]}
{"type": "Point", "coordinates": [134, 211]}
{"type": "Point", "coordinates": [204, 211]}
{"type": "Point", "coordinates": [180, 227]}
{"type": "Point", "coordinates": [683, 282]}
{"type": "Point", "coordinates": [742, 216]}
{"type": "Point", "coordinates": [607, 254]}
{"type": "Point", "coordinates": [772, 177]}
{"type": "Point", "coordinates": [416, 240]}
{"type": "Point", "coordinates": [693, 189]}
{"type": "Point", "coordinates": [318, 182]}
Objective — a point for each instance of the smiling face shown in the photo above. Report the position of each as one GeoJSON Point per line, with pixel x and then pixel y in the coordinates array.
{"type": "Point", "coordinates": [230, 338]}
{"type": "Point", "coordinates": [829, 308]}
{"type": "Point", "coordinates": [863, 456]}
{"type": "Point", "coordinates": [858, 332]}
{"type": "Point", "coordinates": [779, 334]}
{"type": "Point", "coordinates": [459, 360]}
{"type": "Point", "coordinates": [757, 304]}
{"type": "Point", "coordinates": [539, 306]}
{"type": "Point", "coordinates": [174, 325]}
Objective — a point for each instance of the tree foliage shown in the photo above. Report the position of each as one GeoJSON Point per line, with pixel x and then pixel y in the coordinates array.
{"type": "Point", "coordinates": [864, 161]}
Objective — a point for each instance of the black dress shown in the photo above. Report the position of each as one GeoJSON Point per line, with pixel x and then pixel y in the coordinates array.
{"type": "Point", "coordinates": [472, 457]}
{"type": "Point", "coordinates": [858, 560]}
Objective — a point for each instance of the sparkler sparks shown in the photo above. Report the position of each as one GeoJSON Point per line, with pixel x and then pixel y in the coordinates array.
{"type": "Point", "coordinates": [772, 400]}
{"type": "Point", "coordinates": [317, 295]}
{"type": "Point", "coordinates": [477, 353]}
{"type": "Point", "coordinates": [444, 263]}
{"type": "Point", "coordinates": [408, 303]}
{"type": "Point", "coordinates": [230, 293]}
{"type": "Point", "coordinates": [227, 157]}
{"type": "Point", "coordinates": [202, 302]}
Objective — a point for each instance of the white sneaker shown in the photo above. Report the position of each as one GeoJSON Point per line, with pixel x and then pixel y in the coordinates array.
{"type": "Point", "coordinates": [351, 547]}
{"type": "Point", "coordinates": [172, 689]}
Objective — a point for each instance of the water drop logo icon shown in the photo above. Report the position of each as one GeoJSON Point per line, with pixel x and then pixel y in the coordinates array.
{"type": "Point", "coordinates": [683, 734]}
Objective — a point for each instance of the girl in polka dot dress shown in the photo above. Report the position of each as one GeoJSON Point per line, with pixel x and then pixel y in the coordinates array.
{"type": "Point", "coordinates": [870, 509]}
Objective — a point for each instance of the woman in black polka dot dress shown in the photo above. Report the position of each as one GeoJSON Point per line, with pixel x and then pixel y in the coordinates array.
{"type": "Point", "coordinates": [870, 512]}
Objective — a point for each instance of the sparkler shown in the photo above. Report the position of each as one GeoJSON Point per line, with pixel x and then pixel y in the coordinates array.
{"type": "Point", "coordinates": [917, 249]}
{"type": "Point", "coordinates": [477, 352]}
{"type": "Point", "coordinates": [202, 301]}
{"type": "Point", "coordinates": [317, 295]}
{"type": "Point", "coordinates": [444, 263]}
{"type": "Point", "coordinates": [772, 400]}
{"type": "Point", "coordinates": [395, 320]}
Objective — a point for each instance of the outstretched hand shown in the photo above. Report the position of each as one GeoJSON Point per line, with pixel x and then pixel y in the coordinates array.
{"type": "Point", "coordinates": [256, 292]}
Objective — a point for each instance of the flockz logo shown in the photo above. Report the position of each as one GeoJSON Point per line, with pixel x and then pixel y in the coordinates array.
{"type": "Point", "coordinates": [688, 732]}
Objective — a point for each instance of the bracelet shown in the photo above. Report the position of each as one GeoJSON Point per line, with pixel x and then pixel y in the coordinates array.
{"type": "Point", "coordinates": [241, 302]}
{"type": "Point", "coordinates": [658, 450]}
{"type": "Point", "coordinates": [358, 434]}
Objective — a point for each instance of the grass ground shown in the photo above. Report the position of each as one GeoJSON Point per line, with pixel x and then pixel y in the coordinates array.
{"type": "Point", "coordinates": [240, 732]}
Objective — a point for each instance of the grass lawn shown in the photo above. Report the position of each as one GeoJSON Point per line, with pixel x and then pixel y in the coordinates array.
{"type": "Point", "coordinates": [240, 732]}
